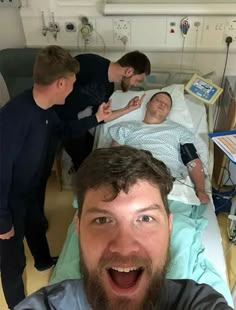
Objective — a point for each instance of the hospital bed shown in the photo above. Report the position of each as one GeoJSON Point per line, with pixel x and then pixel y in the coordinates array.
{"type": "Point", "coordinates": [196, 248]}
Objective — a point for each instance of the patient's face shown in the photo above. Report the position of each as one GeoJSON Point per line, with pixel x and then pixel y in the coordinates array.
{"type": "Point", "coordinates": [124, 246]}
{"type": "Point", "coordinates": [128, 82]}
{"type": "Point", "coordinates": [160, 105]}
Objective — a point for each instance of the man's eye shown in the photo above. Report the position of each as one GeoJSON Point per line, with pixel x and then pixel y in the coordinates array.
{"type": "Point", "coordinates": [102, 220]}
{"type": "Point", "coordinates": [146, 218]}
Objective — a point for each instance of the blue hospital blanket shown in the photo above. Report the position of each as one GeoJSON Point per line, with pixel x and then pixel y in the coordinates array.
{"type": "Point", "coordinates": [187, 255]}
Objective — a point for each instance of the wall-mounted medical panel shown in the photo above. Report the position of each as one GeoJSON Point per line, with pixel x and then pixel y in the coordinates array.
{"type": "Point", "coordinates": [149, 33]}
{"type": "Point", "coordinates": [104, 30]}
{"type": "Point", "coordinates": [213, 32]}
{"type": "Point", "coordinates": [230, 28]}
{"type": "Point", "coordinates": [189, 36]}
{"type": "Point", "coordinates": [10, 4]}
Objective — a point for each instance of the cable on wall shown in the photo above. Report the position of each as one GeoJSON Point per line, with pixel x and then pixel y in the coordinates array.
{"type": "Point", "coordinates": [103, 41]}
{"type": "Point", "coordinates": [228, 41]}
{"type": "Point", "coordinates": [184, 27]}
{"type": "Point", "coordinates": [196, 25]}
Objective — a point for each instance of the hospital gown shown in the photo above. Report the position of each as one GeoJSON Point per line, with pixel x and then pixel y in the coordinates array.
{"type": "Point", "coordinates": [162, 140]}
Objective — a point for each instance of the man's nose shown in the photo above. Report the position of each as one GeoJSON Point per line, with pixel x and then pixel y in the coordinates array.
{"type": "Point", "coordinates": [124, 241]}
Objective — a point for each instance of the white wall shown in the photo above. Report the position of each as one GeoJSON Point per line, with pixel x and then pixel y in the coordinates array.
{"type": "Point", "coordinates": [151, 34]}
{"type": "Point", "coordinates": [205, 62]}
{"type": "Point", "coordinates": [11, 30]}
{"type": "Point", "coordinates": [204, 47]}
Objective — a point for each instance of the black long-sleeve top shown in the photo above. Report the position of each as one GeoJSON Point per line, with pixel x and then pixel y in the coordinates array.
{"type": "Point", "coordinates": [91, 88]}
{"type": "Point", "coordinates": [25, 132]}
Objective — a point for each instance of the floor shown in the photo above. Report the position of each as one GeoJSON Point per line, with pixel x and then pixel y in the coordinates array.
{"type": "Point", "coordinates": [60, 213]}
{"type": "Point", "coordinates": [229, 249]}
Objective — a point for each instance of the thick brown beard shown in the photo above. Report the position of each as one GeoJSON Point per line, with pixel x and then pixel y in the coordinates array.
{"type": "Point", "coordinates": [98, 299]}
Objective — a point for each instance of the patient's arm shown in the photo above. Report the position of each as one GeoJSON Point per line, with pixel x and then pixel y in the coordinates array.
{"type": "Point", "coordinates": [114, 143]}
{"type": "Point", "coordinates": [133, 104]}
{"type": "Point", "coordinates": [196, 174]}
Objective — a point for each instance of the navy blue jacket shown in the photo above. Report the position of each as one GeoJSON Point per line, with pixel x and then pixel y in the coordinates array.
{"type": "Point", "coordinates": [91, 88]}
{"type": "Point", "coordinates": [26, 131]}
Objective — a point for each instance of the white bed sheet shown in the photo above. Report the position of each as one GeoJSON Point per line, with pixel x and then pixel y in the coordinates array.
{"type": "Point", "coordinates": [212, 241]}
{"type": "Point", "coordinates": [211, 237]}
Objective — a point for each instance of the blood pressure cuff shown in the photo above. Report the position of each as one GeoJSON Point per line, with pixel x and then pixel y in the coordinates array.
{"type": "Point", "coordinates": [188, 152]}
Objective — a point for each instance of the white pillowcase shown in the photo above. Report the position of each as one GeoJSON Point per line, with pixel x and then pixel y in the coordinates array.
{"type": "Point", "coordinates": [179, 112]}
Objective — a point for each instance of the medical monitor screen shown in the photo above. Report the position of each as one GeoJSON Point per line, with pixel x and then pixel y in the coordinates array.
{"type": "Point", "coordinates": [203, 89]}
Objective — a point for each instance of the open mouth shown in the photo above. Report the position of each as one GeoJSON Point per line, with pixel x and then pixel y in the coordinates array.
{"type": "Point", "coordinates": [125, 279]}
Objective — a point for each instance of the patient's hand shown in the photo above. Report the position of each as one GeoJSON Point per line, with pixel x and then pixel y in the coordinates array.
{"type": "Point", "coordinates": [202, 196]}
{"type": "Point", "coordinates": [135, 103]}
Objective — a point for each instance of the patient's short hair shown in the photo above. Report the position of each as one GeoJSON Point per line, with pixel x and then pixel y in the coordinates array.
{"type": "Point", "coordinates": [120, 168]}
{"type": "Point", "coordinates": [136, 60]}
{"type": "Point", "coordinates": [53, 62]}
{"type": "Point", "coordinates": [164, 93]}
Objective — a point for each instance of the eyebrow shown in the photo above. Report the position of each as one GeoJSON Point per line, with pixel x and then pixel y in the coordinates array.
{"type": "Point", "coordinates": [97, 210]}
{"type": "Point", "coordinates": [105, 212]}
{"type": "Point", "coordinates": [151, 207]}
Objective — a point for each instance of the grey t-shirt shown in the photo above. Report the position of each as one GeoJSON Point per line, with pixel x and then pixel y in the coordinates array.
{"type": "Point", "coordinates": [176, 295]}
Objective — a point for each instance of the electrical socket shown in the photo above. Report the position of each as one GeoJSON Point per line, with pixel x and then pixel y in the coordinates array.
{"type": "Point", "coordinates": [230, 30]}
{"type": "Point", "coordinates": [121, 30]}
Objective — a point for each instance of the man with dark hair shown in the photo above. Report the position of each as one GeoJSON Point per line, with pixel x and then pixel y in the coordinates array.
{"type": "Point", "coordinates": [139, 63]}
{"type": "Point", "coordinates": [27, 125]}
{"type": "Point", "coordinates": [95, 84]}
{"type": "Point", "coordinates": [168, 141]}
{"type": "Point", "coordinates": [124, 227]}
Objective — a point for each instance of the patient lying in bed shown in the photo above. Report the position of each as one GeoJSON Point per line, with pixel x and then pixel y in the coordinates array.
{"type": "Point", "coordinates": [167, 140]}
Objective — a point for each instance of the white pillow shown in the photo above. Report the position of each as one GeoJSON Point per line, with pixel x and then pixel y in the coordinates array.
{"type": "Point", "coordinates": [179, 112]}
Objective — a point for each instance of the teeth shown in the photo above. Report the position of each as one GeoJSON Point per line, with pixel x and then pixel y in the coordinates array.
{"type": "Point", "coordinates": [124, 269]}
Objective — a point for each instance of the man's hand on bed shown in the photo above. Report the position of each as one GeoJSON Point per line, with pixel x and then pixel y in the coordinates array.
{"type": "Point", "coordinates": [202, 196]}
{"type": "Point", "coordinates": [135, 103]}
{"type": "Point", "coordinates": [104, 112]}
